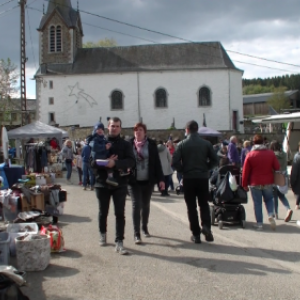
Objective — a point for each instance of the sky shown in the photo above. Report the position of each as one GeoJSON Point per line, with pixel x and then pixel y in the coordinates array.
{"type": "Point", "coordinates": [262, 37]}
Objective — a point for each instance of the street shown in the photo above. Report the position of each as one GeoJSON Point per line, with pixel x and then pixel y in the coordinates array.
{"type": "Point", "coordinates": [241, 264]}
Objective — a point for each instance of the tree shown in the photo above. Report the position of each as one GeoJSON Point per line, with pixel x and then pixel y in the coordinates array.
{"type": "Point", "coordinates": [8, 81]}
{"type": "Point", "coordinates": [107, 42]}
{"type": "Point", "coordinates": [278, 100]}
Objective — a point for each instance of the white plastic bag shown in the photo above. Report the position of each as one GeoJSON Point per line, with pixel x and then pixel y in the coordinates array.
{"type": "Point", "coordinates": [284, 189]}
{"type": "Point", "coordinates": [232, 183]}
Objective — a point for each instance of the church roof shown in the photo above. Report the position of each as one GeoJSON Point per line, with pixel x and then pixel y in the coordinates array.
{"type": "Point", "coordinates": [64, 9]}
{"type": "Point", "coordinates": [163, 57]}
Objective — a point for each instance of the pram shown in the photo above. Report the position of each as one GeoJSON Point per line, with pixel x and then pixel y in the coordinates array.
{"type": "Point", "coordinates": [229, 211]}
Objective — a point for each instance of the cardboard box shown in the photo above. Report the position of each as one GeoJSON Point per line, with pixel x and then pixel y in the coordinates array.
{"type": "Point", "coordinates": [36, 201]}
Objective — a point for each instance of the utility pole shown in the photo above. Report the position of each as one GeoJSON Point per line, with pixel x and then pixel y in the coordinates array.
{"type": "Point", "coordinates": [23, 63]}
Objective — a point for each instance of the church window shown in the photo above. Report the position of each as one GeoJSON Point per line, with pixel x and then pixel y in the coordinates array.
{"type": "Point", "coordinates": [52, 39]}
{"type": "Point", "coordinates": [117, 100]}
{"type": "Point", "coordinates": [51, 101]}
{"type": "Point", "coordinates": [58, 38]}
{"type": "Point", "coordinates": [204, 97]}
{"type": "Point", "coordinates": [161, 98]}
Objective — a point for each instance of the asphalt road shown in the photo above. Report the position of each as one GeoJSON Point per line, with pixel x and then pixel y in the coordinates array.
{"type": "Point", "coordinates": [241, 264]}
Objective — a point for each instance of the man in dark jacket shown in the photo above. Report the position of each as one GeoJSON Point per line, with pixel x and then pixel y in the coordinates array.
{"type": "Point", "coordinates": [122, 158]}
{"type": "Point", "coordinates": [194, 158]}
{"type": "Point", "coordinates": [295, 177]}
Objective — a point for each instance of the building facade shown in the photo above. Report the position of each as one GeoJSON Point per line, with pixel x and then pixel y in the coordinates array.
{"type": "Point", "coordinates": [161, 85]}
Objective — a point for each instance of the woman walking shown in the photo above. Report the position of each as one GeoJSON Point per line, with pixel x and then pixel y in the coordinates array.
{"type": "Point", "coordinates": [67, 153]}
{"type": "Point", "coordinates": [258, 174]}
{"type": "Point", "coordinates": [281, 156]}
{"type": "Point", "coordinates": [148, 172]}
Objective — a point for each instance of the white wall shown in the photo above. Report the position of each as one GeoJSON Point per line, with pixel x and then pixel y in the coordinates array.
{"type": "Point", "coordinates": [182, 88]}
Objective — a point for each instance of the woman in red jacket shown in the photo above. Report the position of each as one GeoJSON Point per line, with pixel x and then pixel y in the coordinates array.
{"type": "Point", "coordinates": [258, 174]}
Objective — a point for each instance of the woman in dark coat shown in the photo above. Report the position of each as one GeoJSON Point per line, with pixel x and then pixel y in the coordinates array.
{"type": "Point", "coordinates": [148, 172]}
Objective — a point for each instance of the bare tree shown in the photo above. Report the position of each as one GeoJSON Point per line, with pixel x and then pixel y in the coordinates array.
{"type": "Point", "coordinates": [107, 42]}
{"type": "Point", "coordinates": [8, 81]}
{"type": "Point", "coordinates": [279, 100]}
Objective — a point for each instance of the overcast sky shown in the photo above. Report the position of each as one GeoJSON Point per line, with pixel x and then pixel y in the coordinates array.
{"type": "Point", "coordinates": [268, 29]}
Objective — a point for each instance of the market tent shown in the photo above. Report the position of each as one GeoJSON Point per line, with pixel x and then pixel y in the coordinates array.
{"type": "Point", "coordinates": [205, 131]}
{"type": "Point", "coordinates": [37, 130]}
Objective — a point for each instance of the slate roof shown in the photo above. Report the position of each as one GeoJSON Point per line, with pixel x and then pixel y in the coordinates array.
{"type": "Point", "coordinates": [262, 98]}
{"type": "Point", "coordinates": [64, 9]}
{"type": "Point", "coordinates": [189, 56]}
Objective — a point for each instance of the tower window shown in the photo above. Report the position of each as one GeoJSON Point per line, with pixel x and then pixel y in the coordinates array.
{"type": "Point", "coordinates": [50, 84]}
{"type": "Point", "coordinates": [55, 39]}
{"type": "Point", "coordinates": [117, 100]}
{"type": "Point", "coordinates": [160, 98]}
{"type": "Point", "coordinates": [51, 101]}
{"type": "Point", "coordinates": [204, 97]}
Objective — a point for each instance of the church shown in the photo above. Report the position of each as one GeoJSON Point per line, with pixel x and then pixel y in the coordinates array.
{"type": "Point", "coordinates": [162, 85]}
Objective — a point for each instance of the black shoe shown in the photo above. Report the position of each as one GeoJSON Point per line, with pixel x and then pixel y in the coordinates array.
{"type": "Point", "coordinates": [146, 232]}
{"type": "Point", "coordinates": [208, 234]}
{"type": "Point", "coordinates": [196, 239]}
{"type": "Point", "coordinates": [137, 238]}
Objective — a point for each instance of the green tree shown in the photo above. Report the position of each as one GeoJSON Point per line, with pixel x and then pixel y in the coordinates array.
{"type": "Point", "coordinates": [278, 100]}
{"type": "Point", "coordinates": [8, 81]}
{"type": "Point", "coordinates": [107, 42]}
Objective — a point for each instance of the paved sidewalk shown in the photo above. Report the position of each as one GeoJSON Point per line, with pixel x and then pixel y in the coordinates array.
{"type": "Point", "coordinates": [240, 264]}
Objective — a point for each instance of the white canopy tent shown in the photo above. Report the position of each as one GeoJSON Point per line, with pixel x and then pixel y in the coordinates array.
{"type": "Point", "coordinates": [37, 130]}
{"type": "Point", "coordinates": [283, 118]}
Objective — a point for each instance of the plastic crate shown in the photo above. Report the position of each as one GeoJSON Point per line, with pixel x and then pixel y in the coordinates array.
{"type": "Point", "coordinates": [4, 248]}
{"type": "Point", "coordinates": [19, 229]}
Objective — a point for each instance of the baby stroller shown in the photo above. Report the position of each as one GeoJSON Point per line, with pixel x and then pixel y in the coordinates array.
{"type": "Point", "coordinates": [229, 210]}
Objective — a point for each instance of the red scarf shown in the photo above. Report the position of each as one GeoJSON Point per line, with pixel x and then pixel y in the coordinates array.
{"type": "Point", "coordinates": [139, 146]}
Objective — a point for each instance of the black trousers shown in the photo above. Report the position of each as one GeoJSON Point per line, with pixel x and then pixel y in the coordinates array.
{"type": "Point", "coordinates": [197, 188]}
{"type": "Point", "coordinates": [140, 195]}
{"type": "Point", "coordinates": [119, 199]}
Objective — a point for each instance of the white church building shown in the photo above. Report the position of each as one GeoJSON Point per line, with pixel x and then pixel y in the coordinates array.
{"type": "Point", "coordinates": [158, 84]}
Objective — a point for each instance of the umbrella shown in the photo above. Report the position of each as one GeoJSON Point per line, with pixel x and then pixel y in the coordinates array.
{"type": "Point", "coordinates": [4, 143]}
{"type": "Point", "coordinates": [205, 131]}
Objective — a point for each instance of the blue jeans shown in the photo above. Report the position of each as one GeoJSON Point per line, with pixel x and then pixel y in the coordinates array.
{"type": "Point", "coordinates": [69, 169]}
{"type": "Point", "coordinates": [282, 198]}
{"type": "Point", "coordinates": [267, 195]}
{"type": "Point", "coordinates": [87, 169]}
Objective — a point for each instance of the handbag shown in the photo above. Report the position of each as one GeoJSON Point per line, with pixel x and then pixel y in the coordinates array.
{"type": "Point", "coordinates": [279, 178]}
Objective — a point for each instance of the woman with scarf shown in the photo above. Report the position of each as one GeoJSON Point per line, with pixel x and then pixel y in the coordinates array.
{"type": "Point", "coordinates": [148, 172]}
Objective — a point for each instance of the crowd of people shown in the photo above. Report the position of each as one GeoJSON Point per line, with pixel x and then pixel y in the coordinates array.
{"type": "Point", "coordinates": [133, 167]}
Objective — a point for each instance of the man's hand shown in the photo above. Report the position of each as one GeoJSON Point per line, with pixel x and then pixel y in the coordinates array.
{"type": "Point", "coordinates": [161, 185]}
{"type": "Point", "coordinates": [246, 188]}
{"type": "Point", "coordinates": [111, 161]}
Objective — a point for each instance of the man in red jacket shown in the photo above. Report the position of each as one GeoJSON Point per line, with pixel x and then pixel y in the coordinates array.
{"type": "Point", "coordinates": [258, 174]}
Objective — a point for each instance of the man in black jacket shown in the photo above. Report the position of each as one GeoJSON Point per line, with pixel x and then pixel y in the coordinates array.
{"type": "Point", "coordinates": [194, 158]}
{"type": "Point", "coordinates": [121, 160]}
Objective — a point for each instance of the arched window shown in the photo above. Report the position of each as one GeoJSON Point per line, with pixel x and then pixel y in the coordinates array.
{"type": "Point", "coordinates": [58, 38]}
{"type": "Point", "coordinates": [204, 97]}
{"type": "Point", "coordinates": [116, 100]}
{"type": "Point", "coordinates": [52, 39]}
{"type": "Point", "coordinates": [161, 98]}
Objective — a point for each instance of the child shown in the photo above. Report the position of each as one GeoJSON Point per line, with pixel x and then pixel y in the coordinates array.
{"type": "Point", "coordinates": [100, 150]}
{"type": "Point", "coordinates": [79, 165]}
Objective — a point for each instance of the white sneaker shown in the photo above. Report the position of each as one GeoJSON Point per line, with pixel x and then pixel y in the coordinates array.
{"type": "Point", "coordinates": [120, 249]}
{"type": "Point", "coordinates": [258, 227]}
{"type": "Point", "coordinates": [272, 223]}
{"type": "Point", "coordinates": [298, 223]}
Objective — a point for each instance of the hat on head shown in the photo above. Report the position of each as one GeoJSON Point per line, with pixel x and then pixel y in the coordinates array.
{"type": "Point", "coordinates": [98, 126]}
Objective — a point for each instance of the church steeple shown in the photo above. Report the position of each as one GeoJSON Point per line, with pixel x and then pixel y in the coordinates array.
{"type": "Point", "coordinates": [60, 33]}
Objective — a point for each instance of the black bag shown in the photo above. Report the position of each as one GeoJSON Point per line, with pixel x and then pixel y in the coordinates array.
{"type": "Point", "coordinates": [241, 195]}
{"type": "Point", "coordinates": [224, 192]}
{"type": "Point", "coordinates": [68, 160]}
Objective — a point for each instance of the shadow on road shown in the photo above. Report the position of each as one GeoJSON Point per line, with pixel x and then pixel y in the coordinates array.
{"type": "Point", "coordinates": [74, 219]}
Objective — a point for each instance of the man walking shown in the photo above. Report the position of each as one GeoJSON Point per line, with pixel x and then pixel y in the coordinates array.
{"type": "Point", "coordinates": [121, 159]}
{"type": "Point", "coordinates": [194, 158]}
{"type": "Point", "coordinates": [233, 154]}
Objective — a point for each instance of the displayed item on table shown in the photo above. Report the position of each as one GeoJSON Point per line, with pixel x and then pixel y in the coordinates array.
{"type": "Point", "coordinates": [26, 215]}
{"type": "Point", "coordinates": [57, 242]}
{"type": "Point", "coordinates": [33, 252]}
{"type": "Point", "coordinates": [4, 248]}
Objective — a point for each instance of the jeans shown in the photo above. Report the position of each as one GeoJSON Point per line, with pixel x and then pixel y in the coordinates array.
{"type": "Point", "coordinates": [167, 183]}
{"type": "Point", "coordinates": [179, 177]}
{"type": "Point", "coordinates": [69, 169]}
{"type": "Point", "coordinates": [140, 194]}
{"type": "Point", "coordinates": [297, 199]}
{"type": "Point", "coordinates": [284, 201]}
{"type": "Point", "coordinates": [79, 170]}
{"type": "Point", "coordinates": [267, 195]}
{"type": "Point", "coordinates": [87, 170]}
{"type": "Point", "coordinates": [119, 199]}
{"type": "Point", "coordinates": [197, 187]}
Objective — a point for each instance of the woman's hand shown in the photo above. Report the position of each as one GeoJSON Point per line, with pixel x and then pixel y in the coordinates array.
{"type": "Point", "coordinates": [161, 185]}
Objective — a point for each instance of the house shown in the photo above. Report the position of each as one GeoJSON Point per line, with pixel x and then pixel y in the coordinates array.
{"type": "Point", "coordinates": [159, 84]}
{"type": "Point", "coordinates": [257, 104]}
{"type": "Point", "coordinates": [11, 112]}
